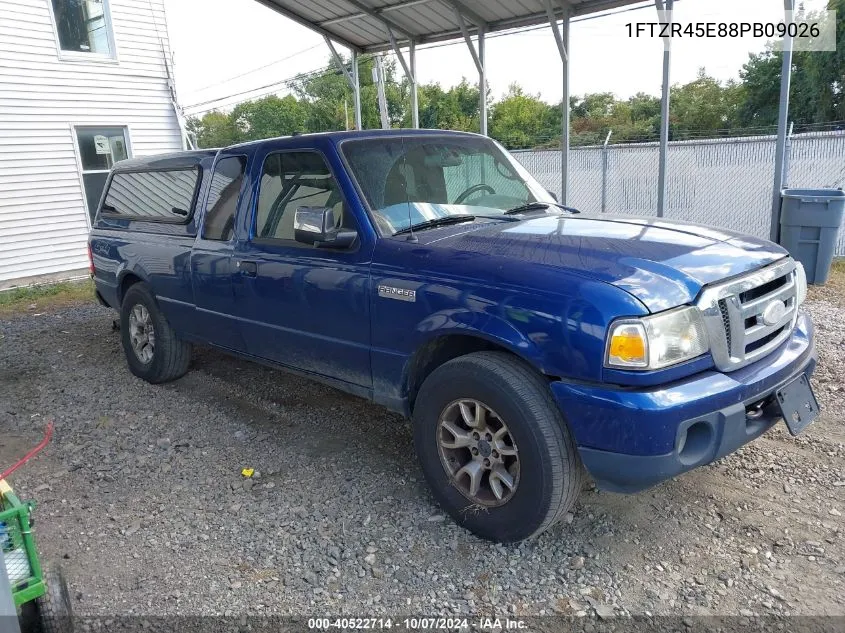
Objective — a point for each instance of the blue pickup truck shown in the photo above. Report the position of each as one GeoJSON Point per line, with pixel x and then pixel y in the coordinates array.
{"type": "Point", "coordinates": [428, 272]}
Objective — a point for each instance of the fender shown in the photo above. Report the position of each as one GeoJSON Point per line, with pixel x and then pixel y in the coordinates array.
{"type": "Point", "coordinates": [178, 312]}
{"type": "Point", "coordinates": [466, 331]}
{"type": "Point", "coordinates": [125, 268]}
{"type": "Point", "coordinates": [489, 327]}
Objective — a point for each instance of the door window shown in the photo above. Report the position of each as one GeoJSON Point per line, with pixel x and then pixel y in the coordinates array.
{"type": "Point", "coordinates": [99, 149]}
{"type": "Point", "coordinates": [295, 179]}
{"type": "Point", "coordinates": [223, 196]}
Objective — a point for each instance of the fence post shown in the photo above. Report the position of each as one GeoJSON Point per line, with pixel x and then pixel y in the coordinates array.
{"type": "Point", "coordinates": [604, 173]}
{"type": "Point", "coordinates": [787, 156]}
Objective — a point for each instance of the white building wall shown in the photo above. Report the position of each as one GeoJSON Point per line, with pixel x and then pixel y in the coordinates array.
{"type": "Point", "coordinates": [43, 218]}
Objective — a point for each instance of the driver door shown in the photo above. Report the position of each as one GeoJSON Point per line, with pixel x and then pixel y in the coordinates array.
{"type": "Point", "coordinates": [302, 306]}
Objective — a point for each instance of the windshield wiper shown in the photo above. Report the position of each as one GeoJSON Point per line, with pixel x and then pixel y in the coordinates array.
{"type": "Point", "coordinates": [430, 224]}
{"type": "Point", "coordinates": [539, 206]}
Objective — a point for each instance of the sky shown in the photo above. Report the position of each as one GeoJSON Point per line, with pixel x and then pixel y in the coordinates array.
{"type": "Point", "coordinates": [225, 47]}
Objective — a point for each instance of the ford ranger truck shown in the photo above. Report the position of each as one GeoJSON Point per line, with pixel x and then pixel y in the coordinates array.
{"type": "Point", "coordinates": [427, 271]}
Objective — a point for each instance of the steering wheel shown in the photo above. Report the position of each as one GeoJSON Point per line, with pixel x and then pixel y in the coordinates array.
{"type": "Point", "coordinates": [466, 194]}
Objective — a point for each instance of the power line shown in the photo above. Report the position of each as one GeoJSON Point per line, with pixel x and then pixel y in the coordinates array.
{"type": "Point", "coordinates": [278, 84]}
{"type": "Point", "coordinates": [255, 70]}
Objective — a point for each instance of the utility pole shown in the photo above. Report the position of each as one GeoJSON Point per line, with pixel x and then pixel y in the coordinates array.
{"type": "Point", "coordinates": [378, 78]}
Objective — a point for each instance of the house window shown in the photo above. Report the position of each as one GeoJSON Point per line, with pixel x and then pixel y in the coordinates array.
{"type": "Point", "coordinates": [99, 149]}
{"type": "Point", "coordinates": [83, 26]}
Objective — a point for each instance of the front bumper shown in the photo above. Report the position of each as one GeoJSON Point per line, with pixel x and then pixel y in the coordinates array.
{"type": "Point", "coordinates": [631, 439]}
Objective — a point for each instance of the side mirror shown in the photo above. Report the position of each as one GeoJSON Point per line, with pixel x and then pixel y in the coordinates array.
{"type": "Point", "coordinates": [317, 226]}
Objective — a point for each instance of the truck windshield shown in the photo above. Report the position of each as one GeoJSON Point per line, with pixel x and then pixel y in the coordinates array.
{"type": "Point", "coordinates": [408, 180]}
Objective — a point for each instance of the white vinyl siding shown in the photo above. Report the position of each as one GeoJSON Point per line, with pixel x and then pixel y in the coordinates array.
{"type": "Point", "coordinates": [43, 98]}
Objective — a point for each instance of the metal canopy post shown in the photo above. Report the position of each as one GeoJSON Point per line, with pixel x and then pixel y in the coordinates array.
{"type": "Point", "coordinates": [562, 40]}
{"type": "Point", "coordinates": [415, 101]}
{"type": "Point", "coordinates": [783, 115]}
{"type": "Point", "coordinates": [664, 11]}
{"type": "Point", "coordinates": [351, 78]}
{"type": "Point", "coordinates": [479, 59]}
{"type": "Point", "coordinates": [482, 84]}
{"type": "Point", "coordinates": [356, 91]}
{"type": "Point", "coordinates": [410, 73]}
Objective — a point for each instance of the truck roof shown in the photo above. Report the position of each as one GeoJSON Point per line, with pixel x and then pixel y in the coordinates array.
{"type": "Point", "coordinates": [174, 160]}
{"type": "Point", "coordinates": [192, 158]}
{"type": "Point", "coordinates": [347, 134]}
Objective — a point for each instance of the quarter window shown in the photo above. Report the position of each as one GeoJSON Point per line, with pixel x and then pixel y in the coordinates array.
{"type": "Point", "coordinates": [83, 26]}
{"type": "Point", "coordinates": [153, 195]}
{"type": "Point", "coordinates": [295, 179]}
{"type": "Point", "coordinates": [223, 198]}
{"type": "Point", "coordinates": [99, 149]}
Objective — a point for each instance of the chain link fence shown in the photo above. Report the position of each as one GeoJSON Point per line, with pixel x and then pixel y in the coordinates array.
{"type": "Point", "coordinates": [720, 182]}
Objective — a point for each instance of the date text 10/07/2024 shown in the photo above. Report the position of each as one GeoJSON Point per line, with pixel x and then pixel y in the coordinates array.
{"type": "Point", "coordinates": [417, 624]}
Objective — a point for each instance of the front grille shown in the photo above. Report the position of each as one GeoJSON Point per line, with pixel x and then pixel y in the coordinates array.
{"type": "Point", "coordinates": [750, 316]}
{"type": "Point", "coordinates": [759, 291]}
{"type": "Point", "coordinates": [726, 320]}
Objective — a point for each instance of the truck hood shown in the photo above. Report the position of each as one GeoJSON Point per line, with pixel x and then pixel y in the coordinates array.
{"type": "Point", "coordinates": [662, 263]}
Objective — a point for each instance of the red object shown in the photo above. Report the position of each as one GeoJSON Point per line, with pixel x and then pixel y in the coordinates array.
{"type": "Point", "coordinates": [47, 435]}
{"type": "Point", "coordinates": [90, 260]}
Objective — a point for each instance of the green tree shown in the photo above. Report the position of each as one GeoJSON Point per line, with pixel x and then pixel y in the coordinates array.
{"type": "Point", "coordinates": [523, 120]}
{"type": "Point", "coordinates": [644, 107]}
{"type": "Point", "coordinates": [761, 77]}
{"type": "Point", "coordinates": [705, 105]}
{"type": "Point", "coordinates": [827, 72]}
{"type": "Point", "coordinates": [453, 109]}
{"type": "Point", "coordinates": [269, 117]}
{"type": "Point", "coordinates": [816, 94]}
{"type": "Point", "coordinates": [644, 118]}
{"type": "Point", "coordinates": [214, 129]}
{"type": "Point", "coordinates": [330, 99]}
{"type": "Point", "coordinates": [594, 115]}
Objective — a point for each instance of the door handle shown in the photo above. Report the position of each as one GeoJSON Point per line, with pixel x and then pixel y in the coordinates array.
{"type": "Point", "coordinates": [250, 269]}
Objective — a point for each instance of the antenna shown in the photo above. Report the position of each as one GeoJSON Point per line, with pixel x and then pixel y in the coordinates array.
{"type": "Point", "coordinates": [411, 237]}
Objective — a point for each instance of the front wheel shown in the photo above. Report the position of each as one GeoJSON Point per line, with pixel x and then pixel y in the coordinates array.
{"type": "Point", "coordinates": [494, 447]}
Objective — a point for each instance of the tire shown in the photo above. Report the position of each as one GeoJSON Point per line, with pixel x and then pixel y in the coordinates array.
{"type": "Point", "coordinates": [167, 358]}
{"type": "Point", "coordinates": [54, 612]}
{"type": "Point", "coordinates": [548, 472]}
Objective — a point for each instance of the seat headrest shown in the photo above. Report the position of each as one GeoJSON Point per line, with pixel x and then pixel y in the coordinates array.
{"type": "Point", "coordinates": [273, 165]}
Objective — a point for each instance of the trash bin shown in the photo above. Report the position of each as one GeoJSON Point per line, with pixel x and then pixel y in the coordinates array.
{"type": "Point", "coordinates": [809, 226]}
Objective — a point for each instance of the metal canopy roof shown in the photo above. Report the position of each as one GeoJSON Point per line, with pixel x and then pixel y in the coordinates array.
{"type": "Point", "coordinates": [367, 25]}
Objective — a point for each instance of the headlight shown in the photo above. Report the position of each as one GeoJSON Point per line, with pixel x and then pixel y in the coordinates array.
{"type": "Point", "coordinates": [657, 341]}
{"type": "Point", "coordinates": [800, 283]}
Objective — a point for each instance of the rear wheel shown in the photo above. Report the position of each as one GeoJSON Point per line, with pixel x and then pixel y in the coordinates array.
{"type": "Point", "coordinates": [152, 349]}
{"type": "Point", "coordinates": [494, 447]}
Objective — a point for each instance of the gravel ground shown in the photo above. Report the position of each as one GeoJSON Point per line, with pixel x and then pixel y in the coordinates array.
{"type": "Point", "coordinates": [141, 498]}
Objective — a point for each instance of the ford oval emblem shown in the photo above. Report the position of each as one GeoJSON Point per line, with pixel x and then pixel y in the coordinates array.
{"type": "Point", "coordinates": [774, 312]}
